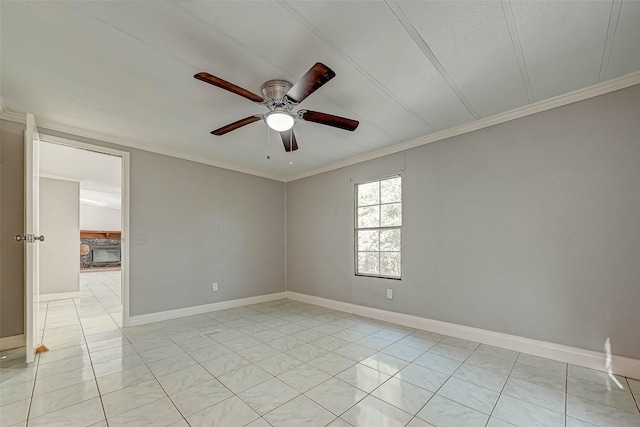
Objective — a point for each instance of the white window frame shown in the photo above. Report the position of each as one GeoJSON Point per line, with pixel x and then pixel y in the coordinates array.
{"type": "Point", "coordinates": [356, 228]}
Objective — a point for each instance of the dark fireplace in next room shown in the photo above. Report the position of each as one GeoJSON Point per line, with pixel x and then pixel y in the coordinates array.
{"type": "Point", "coordinates": [100, 249]}
{"type": "Point", "coordinates": [104, 255]}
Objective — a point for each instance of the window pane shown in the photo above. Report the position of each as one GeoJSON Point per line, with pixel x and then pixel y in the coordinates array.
{"type": "Point", "coordinates": [368, 240]}
{"type": "Point", "coordinates": [368, 263]}
{"type": "Point", "coordinates": [369, 217]}
{"type": "Point", "coordinates": [369, 194]}
{"type": "Point", "coordinates": [390, 240]}
{"type": "Point", "coordinates": [378, 234]}
{"type": "Point", "coordinates": [391, 190]}
{"type": "Point", "coordinates": [390, 264]}
{"type": "Point", "coordinates": [391, 215]}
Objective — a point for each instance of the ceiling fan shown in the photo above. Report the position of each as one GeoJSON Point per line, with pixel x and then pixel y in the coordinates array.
{"type": "Point", "coordinates": [280, 97]}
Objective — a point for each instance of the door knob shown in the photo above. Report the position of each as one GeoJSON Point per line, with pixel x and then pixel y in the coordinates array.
{"type": "Point", "coordinates": [41, 238]}
{"type": "Point", "coordinates": [20, 238]}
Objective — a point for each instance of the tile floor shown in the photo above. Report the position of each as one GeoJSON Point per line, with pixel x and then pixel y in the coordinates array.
{"type": "Point", "coordinates": [286, 363]}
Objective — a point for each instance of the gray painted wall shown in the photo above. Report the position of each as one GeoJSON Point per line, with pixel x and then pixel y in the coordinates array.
{"type": "Point", "coordinates": [100, 218]}
{"type": "Point", "coordinates": [201, 224]}
{"type": "Point", "coordinates": [60, 224]}
{"type": "Point", "coordinates": [11, 223]}
{"type": "Point", "coordinates": [530, 228]}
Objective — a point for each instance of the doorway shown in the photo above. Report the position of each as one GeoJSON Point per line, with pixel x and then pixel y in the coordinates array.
{"type": "Point", "coordinates": [97, 275]}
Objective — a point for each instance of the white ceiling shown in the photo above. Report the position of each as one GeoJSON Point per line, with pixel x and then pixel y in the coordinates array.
{"type": "Point", "coordinates": [99, 174]}
{"type": "Point", "coordinates": [124, 70]}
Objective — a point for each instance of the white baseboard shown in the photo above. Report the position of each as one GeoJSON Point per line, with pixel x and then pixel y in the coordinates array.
{"type": "Point", "coordinates": [590, 359]}
{"type": "Point", "coordinates": [200, 309]}
{"type": "Point", "coordinates": [58, 296]}
{"type": "Point", "coordinates": [15, 341]}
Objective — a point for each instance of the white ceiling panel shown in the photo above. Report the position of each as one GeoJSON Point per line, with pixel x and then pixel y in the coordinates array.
{"type": "Point", "coordinates": [349, 89]}
{"type": "Point", "coordinates": [102, 81]}
{"type": "Point", "coordinates": [389, 56]}
{"type": "Point", "coordinates": [472, 41]}
{"type": "Point", "coordinates": [123, 71]}
{"type": "Point", "coordinates": [625, 55]}
{"type": "Point", "coordinates": [563, 43]}
{"type": "Point", "coordinates": [175, 35]}
{"type": "Point", "coordinates": [272, 55]}
{"type": "Point", "coordinates": [95, 171]}
{"type": "Point", "coordinates": [99, 174]}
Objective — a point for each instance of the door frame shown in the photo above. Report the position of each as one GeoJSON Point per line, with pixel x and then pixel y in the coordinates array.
{"type": "Point", "coordinates": [124, 182]}
{"type": "Point", "coordinates": [32, 325]}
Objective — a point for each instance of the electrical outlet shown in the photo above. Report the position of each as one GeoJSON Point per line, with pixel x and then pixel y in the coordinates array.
{"type": "Point", "coordinates": [389, 293]}
{"type": "Point", "coordinates": [214, 286]}
{"type": "Point", "coordinates": [140, 239]}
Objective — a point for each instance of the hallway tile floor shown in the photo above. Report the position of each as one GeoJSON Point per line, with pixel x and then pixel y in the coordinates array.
{"type": "Point", "coordinates": [287, 363]}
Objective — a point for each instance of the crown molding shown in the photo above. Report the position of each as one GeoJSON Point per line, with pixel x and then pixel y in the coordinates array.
{"type": "Point", "coordinates": [50, 125]}
{"type": "Point", "coordinates": [11, 116]}
{"type": "Point", "coordinates": [527, 110]}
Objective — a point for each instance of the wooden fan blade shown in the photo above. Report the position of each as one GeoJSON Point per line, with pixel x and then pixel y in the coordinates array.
{"type": "Point", "coordinates": [313, 79]}
{"type": "Point", "coordinates": [223, 84]}
{"type": "Point", "coordinates": [330, 120]}
{"type": "Point", "coordinates": [288, 139]}
{"type": "Point", "coordinates": [235, 125]}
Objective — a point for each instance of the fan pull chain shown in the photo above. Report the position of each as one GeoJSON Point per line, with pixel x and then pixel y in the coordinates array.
{"type": "Point", "coordinates": [268, 136]}
{"type": "Point", "coordinates": [291, 146]}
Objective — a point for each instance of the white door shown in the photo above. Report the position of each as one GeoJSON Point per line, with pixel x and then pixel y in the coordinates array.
{"type": "Point", "coordinates": [32, 238]}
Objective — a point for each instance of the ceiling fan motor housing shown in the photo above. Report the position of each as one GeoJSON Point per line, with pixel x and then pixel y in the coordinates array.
{"type": "Point", "coordinates": [275, 90]}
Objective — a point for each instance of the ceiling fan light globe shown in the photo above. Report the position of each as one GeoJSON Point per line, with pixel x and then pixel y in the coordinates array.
{"type": "Point", "coordinates": [279, 121]}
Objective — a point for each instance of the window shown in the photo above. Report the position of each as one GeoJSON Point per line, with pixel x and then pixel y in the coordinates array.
{"type": "Point", "coordinates": [378, 230]}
